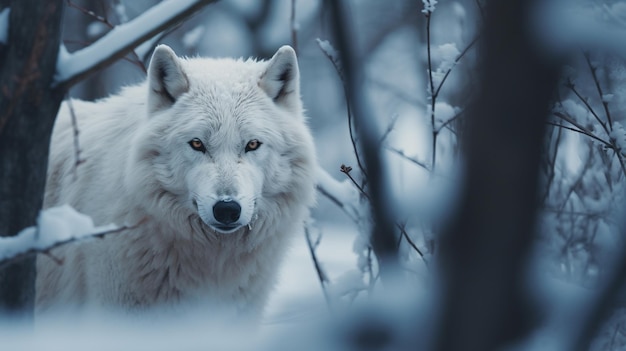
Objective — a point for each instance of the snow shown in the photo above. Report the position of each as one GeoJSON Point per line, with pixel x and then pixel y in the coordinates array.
{"type": "Point", "coordinates": [4, 25]}
{"type": "Point", "coordinates": [446, 54]}
{"type": "Point", "coordinates": [119, 38]}
{"type": "Point", "coordinates": [429, 6]}
{"type": "Point", "coordinates": [191, 38]}
{"type": "Point", "coordinates": [296, 303]}
{"type": "Point", "coordinates": [54, 226]}
{"type": "Point", "coordinates": [95, 29]}
{"type": "Point", "coordinates": [120, 11]}
{"type": "Point", "coordinates": [619, 135]}
{"type": "Point", "coordinates": [607, 98]}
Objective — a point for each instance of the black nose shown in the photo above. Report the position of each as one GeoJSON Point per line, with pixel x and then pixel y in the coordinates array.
{"type": "Point", "coordinates": [226, 212]}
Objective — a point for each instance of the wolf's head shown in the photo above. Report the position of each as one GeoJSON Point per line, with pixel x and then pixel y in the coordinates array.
{"type": "Point", "coordinates": [224, 139]}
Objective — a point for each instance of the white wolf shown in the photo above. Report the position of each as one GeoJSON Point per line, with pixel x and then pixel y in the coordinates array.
{"type": "Point", "coordinates": [212, 163]}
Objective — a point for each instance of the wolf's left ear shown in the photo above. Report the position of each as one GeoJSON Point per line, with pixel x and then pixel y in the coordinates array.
{"type": "Point", "coordinates": [281, 79]}
{"type": "Point", "coordinates": [166, 79]}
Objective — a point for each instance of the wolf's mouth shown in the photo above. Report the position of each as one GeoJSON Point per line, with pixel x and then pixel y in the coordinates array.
{"type": "Point", "coordinates": [225, 229]}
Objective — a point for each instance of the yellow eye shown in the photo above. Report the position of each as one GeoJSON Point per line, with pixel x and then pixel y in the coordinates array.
{"type": "Point", "coordinates": [253, 145]}
{"type": "Point", "coordinates": [197, 145]}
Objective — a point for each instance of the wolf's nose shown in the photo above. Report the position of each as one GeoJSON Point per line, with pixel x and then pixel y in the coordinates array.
{"type": "Point", "coordinates": [226, 212]}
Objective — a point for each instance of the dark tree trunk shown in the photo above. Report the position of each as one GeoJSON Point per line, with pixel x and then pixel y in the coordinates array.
{"type": "Point", "coordinates": [28, 107]}
{"type": "Point", "coordinates": [484, 251]}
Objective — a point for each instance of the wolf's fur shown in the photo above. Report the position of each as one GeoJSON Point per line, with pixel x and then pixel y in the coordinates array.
{"type": "Point", "coordinates": [140, 170]}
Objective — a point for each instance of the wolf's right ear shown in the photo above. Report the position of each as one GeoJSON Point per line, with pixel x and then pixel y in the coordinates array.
{"type": "Point", "coordinates": [281, 79]}
{"type": "Point", "coordinates": [166, 79]}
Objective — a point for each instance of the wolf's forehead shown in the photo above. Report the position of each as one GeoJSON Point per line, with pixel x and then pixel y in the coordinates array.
{"type": "Point", "coordinates": [226, 72]}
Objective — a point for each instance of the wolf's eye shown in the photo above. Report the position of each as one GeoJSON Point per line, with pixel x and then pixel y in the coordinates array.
{"type": "Point", "coordinates": [253, 145]}
{"type": "Point", "coordinates": [197, 145]}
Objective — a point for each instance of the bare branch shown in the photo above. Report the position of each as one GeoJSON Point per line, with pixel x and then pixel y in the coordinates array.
{"type": "Point", "coordinates": [582, 131]}
{"type": "Point", "coordinates": [77, 159]}
{"type": "Point", "coordinates": [411, 243]}
{"type": "Point", "coordinates": [318, 268]}
{"type": "Point", "coordinates": [433, 96]}
{"type": "Point", "coordinates": [605, 104]}
{"type": "Point", "coordinates": [72, 68]}
{"type": "Point", "coordinates": [450, 120]}
{"type": "Point", "coordinates": [408, 158]}
{"type": "Point", "coordinates": [136, 60]}
{"type": "Point", "coordinates": [9, 260]}
{"type": "Point", "coordinates": [332, 56]}
{"type": "Point", "coordinates": [346, 170]}
{"type": "Point", "coordinates": [456, 61]}
{"type": "Point", "coordinates": [384, 236]}
{"type": "Point", "coordinates": [572, 87]}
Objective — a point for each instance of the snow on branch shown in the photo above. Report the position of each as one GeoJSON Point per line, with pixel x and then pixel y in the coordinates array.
{"type": "Point", "coordinates": [73, 67]}
{"type": "Point", "coordinates": [56, 226]}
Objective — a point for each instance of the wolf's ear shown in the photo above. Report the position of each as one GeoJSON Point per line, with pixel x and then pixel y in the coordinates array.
{"type": "Point", "coordinates": [166, 79]}
{"type": "Point", "coordinates": [281, 79]}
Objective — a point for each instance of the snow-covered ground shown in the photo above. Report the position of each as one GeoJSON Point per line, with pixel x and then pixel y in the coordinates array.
{"type": "Point", "coordinates": [297, 300]}
{"type": "Point", "coordinates": [299, 291]}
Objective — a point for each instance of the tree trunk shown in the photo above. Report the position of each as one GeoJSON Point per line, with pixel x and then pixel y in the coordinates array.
{"type": "Point", "coordinates": [484, 252]}
{"type": "Point", "coordinates": [28, 107]}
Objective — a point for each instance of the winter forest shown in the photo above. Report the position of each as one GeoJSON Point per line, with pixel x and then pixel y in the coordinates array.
{"type": "Point", "coordinates": [469, 186]}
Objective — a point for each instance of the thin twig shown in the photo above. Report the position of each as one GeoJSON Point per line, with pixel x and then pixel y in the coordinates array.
{"type": "Point", "coordinates": [346, 170]}
{"type": "Point", "coordinates": [450, 120]}
{"type": "Point", "coordinates": [456, 61]}
{"type": "Point", "coordinates": [318, 268]}
{"type": "Point", "coordinates": [294, 27]}
{"type": "Point", "coordinates": [351, 126]}
{"type": "Point", "coordinates": [91, 14]}
{"type": "Point", "coordinates": [408, 158]}
{"type": "Point", "coordinates": [135, 60]}
{"type": "Point", "coordinates": [612, 343]}
{"type": "Point", "coordinates": [116, 44]}
{"type": "Point", "coordinates": [411, 243]}
{"type": "Point", "coordinates": [599, 88]}
{"type": "Point", "coordinates": [581, 131]}
{"type": "Point", "coordinates": [572, 87]}
{"type": "Point", "coordinates": [433, 97]}
{"type": "Point", "coordinates": [77, 159]}
{"type": "Point", "coordinates": [390, 127]}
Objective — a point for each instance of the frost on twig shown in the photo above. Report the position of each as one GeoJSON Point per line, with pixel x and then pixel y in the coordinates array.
{"type": "Point", "coordinates": [55, 227]}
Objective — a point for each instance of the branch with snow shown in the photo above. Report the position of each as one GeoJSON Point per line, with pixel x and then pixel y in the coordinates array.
{"type": "Point", "coordinates": [55, 227]}
{"type": "Point", "coordinates": [73, 67]}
